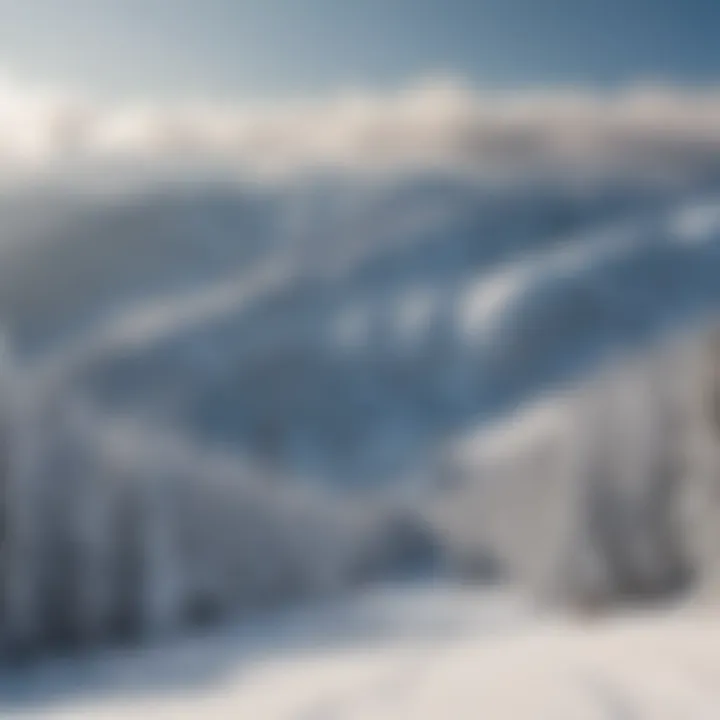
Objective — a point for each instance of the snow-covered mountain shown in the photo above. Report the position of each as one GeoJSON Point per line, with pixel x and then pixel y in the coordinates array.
{"type": "Point", "coordinates": [259, 389]}
{"type": "Point", "coordinates": [272, 318]}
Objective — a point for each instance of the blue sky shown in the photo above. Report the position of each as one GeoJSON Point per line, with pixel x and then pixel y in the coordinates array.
{"type": "Point", "coordinates": [276, 48]}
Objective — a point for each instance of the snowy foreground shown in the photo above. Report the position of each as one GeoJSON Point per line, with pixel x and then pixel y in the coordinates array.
{"type": "Point", "coordinates": [413, 652]}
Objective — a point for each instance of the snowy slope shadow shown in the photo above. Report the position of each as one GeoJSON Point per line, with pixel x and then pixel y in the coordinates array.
{"type": "Point", "coordinates": [400, 617]}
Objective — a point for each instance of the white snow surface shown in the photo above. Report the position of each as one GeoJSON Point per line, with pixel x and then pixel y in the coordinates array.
{"type": "Point", "coordinates": [415, 652]}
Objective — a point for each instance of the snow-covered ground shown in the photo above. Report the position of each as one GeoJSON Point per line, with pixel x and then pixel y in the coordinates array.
{"type": "Point", "coordinates": [403, 652]}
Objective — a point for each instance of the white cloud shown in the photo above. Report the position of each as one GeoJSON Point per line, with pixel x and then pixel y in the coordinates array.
{"type": "Point", "coordinates": [646, 131]}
